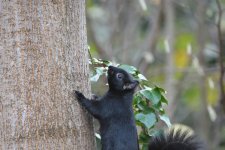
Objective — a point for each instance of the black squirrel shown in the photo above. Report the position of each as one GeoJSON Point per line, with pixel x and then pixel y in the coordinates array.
{"type": "Point", "coordinates": [115, 115]}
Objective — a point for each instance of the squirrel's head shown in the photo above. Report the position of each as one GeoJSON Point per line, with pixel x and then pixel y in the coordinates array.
{"type": "Point", "coordinates": [119, 80]}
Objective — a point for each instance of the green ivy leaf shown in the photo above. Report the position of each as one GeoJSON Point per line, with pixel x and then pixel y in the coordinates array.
{"type": "Point", "coordinates": [158, 106]}
{"type": "Point", "coordinates": [161, 90]}
{"type": "Point", "coordinates": [165, 119]}
{"type": "Point", "coordinates": [145, 108]}
{"type": "Point", "coordinates": [162, 111]}
{"type": "Point", "coordinates": [141, 77]}
{"type": "Point", "coordinates": [142, 106]}
{"type": "Point", "coordinates": [148, 120]}
{"type": "Point", "coordinates": [98, 72]}
{"type": "Point", "coordinates": [154, 133]}
{"type": "Point", "coordinates": [164, 100]}
{"type": "Point", "coordinates": [130, 69]}
{"type": "Point", "coordinates": [137, 99]}
{"type": "Point", "coordinates": [95, 78]}
{"type": "Point", "coordinates": [153, 95]}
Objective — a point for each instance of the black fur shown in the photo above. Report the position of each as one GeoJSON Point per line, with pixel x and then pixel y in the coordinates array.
{"type": "Point", "coordinates": [175, 140]}
{"type": "Point", "coordinates": [114, 111]}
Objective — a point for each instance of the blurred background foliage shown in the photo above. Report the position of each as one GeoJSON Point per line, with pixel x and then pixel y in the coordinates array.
{"type": "Point", "coordinates": [176, 45]}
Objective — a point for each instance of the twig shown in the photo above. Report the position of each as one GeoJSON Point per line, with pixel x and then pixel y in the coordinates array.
{"type": "Point", "coordinates": [90, 54]}
{"type": "Point", "coordinates": [221, 47]}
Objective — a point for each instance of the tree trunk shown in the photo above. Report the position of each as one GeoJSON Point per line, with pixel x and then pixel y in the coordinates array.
{"type": "Point", "coordinates": [204, 124]}
{"type": "Point", "coordinates": [169, 44]}
{"type": "Point", "coordinates": [43, 58]}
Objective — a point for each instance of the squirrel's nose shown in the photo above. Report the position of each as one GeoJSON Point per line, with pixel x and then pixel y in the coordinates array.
{"type": "Point", "coordinates": [110, 67]}
{"type": "Point", "coordinates": [110, 70]}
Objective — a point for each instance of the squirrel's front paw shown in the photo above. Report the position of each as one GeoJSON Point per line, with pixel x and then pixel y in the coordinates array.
{"type": "Point", "coordinates": [78, 95]}
{"type": "Point", "coordinates": [94, 97]}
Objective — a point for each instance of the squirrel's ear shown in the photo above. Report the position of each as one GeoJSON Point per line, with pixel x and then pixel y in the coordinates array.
{"type": "Point", "coordinates": [130, 86]}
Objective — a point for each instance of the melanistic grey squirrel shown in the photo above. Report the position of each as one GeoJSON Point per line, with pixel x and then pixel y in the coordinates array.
{"type": "Point", "coordinates": [117, 124]}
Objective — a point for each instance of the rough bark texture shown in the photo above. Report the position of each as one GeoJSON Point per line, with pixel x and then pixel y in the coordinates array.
{"type": "Point", "coordinates": [43, 58]}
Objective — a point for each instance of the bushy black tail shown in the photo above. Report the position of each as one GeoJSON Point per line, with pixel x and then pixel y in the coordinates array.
{"type": "Point", "coordinates": [175, 140]}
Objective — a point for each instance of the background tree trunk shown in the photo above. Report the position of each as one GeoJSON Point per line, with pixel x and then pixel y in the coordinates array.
{"type": "Point", "coordinates": [169, 46]}
{"type": "Point", "coordinates": [204, 124]}
{"type": "Point", "coordinates": [43, 58]}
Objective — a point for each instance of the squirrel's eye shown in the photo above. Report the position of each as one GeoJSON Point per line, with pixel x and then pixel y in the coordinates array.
{"type": "Point", "coordinates": [119, 75]}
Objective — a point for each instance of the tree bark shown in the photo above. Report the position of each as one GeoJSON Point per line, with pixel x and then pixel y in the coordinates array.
{"type": "Point", "coordinates": [43, 58]}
